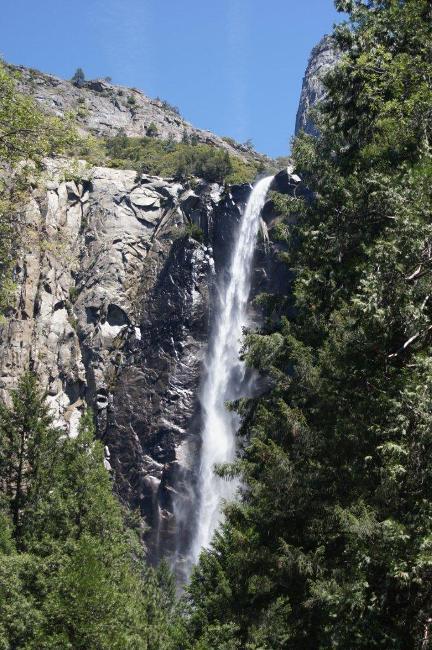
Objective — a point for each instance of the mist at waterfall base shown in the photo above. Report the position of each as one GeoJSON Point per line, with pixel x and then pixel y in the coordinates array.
{"type": "Point", "coordinates": [224, 378]}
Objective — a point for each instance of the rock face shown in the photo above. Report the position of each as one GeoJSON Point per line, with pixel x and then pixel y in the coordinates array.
{"type": "Point", "coordinates": [112, 311]}
{"type": "Point", "coordinates": [105, 109]}
{"type": "Point", "coordinates": [324, 56]}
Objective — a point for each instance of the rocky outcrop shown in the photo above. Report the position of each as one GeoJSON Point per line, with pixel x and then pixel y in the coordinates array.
{"type": "Point", "coordinates": [323, 58]}
{"type": "Point", "coordinates": [105, 109]}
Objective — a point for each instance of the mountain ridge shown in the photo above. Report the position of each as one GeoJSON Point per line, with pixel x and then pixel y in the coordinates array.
{"type": "Point", "coordinates": [106, 109]}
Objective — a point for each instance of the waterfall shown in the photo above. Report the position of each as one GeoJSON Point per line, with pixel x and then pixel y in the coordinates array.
{"type": "Point", "coordinates": [225, 373]}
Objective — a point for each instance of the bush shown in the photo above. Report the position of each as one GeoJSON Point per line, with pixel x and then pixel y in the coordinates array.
{"type": "Point", "coordinates": [194, 231]}
{"type": "Point", "coordinates": [241, 172]}
{"type": "Point", "coordinates": [248, 145]}
{"type": "Point", "coordinates": [150, 155]}
{"type": "Point", "coordinates": [152, 130]}
{"type": "Point", "coordinates": [213, 165]}
{"type": "Point", "coordinates": [73, 294]}
{"type": "Point", "coordinates": [168, 107]}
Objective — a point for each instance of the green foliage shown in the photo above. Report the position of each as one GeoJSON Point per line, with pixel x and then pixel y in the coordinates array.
{"type": "Point", "coordinates": [203, 161]}
{"type": "Point", "coordinates": [330, 544]}
{"type": "Point", "coordinates": [241, 172]}
{"type": "Point", "coordinates": [72, 575]}
{"type": "Point", "coordinates": [73, 294]}
{"type": "Point", "coordinates": [152, 130]}
{"type": "Point", "coordinates": [182, 160]}
{"type": "Point", "coordinates": [194, 231]}
{"type": "Point", "coordinates": [25, 132]}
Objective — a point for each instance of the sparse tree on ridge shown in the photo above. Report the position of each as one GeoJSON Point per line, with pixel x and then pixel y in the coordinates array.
{"type": "Point", "coordinates": [78, 78]}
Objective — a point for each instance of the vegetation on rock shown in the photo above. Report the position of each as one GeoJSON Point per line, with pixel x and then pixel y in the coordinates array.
{"type": "Point", "coordinates": [167, 158]}
{"type": "Point", "coordinates": [168, 107]}
{"type": "Point", "coordinates": [194, 231]}
{"type": "Point", "coordinates": [26, 136]}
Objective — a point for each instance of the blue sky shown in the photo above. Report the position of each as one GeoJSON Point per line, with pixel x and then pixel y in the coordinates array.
{"type": "Point", "coordinates": [232, 66]}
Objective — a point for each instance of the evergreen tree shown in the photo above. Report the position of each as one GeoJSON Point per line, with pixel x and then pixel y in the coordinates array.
{"type": "Point", "coordinates": [28, 449]}
{"type": "Point", "coordinates": [78, 78]}
{"type": "Point", "coordinates": [72, 574]}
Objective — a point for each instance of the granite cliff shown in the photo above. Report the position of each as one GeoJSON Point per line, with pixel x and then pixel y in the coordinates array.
{"type": "Point", "coordinates": [323, 58]}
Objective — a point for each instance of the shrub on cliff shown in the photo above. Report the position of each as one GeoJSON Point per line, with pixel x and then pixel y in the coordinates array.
{"type": "Point", "coordinates": [152, 130]}
{"type": "Point", "coordinates": [169, 107]}
{"type": "Point", "coordinates": [151, 155]}
{"type": "Point", "coordinates": [212, 164]}
{"type": "Point", "coordinates": [194, 231]}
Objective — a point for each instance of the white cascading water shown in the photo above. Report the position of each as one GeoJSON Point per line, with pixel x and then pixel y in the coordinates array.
{"type": "Point", "coordinates": [225, 373]}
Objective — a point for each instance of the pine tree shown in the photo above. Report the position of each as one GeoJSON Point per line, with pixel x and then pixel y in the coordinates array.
{"type": "Point", "coordinates": [72, 574]}
{"type": "Point", "coordinates": [29, 447]}
{"type": "Point", "coordinates": [78, 78]}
